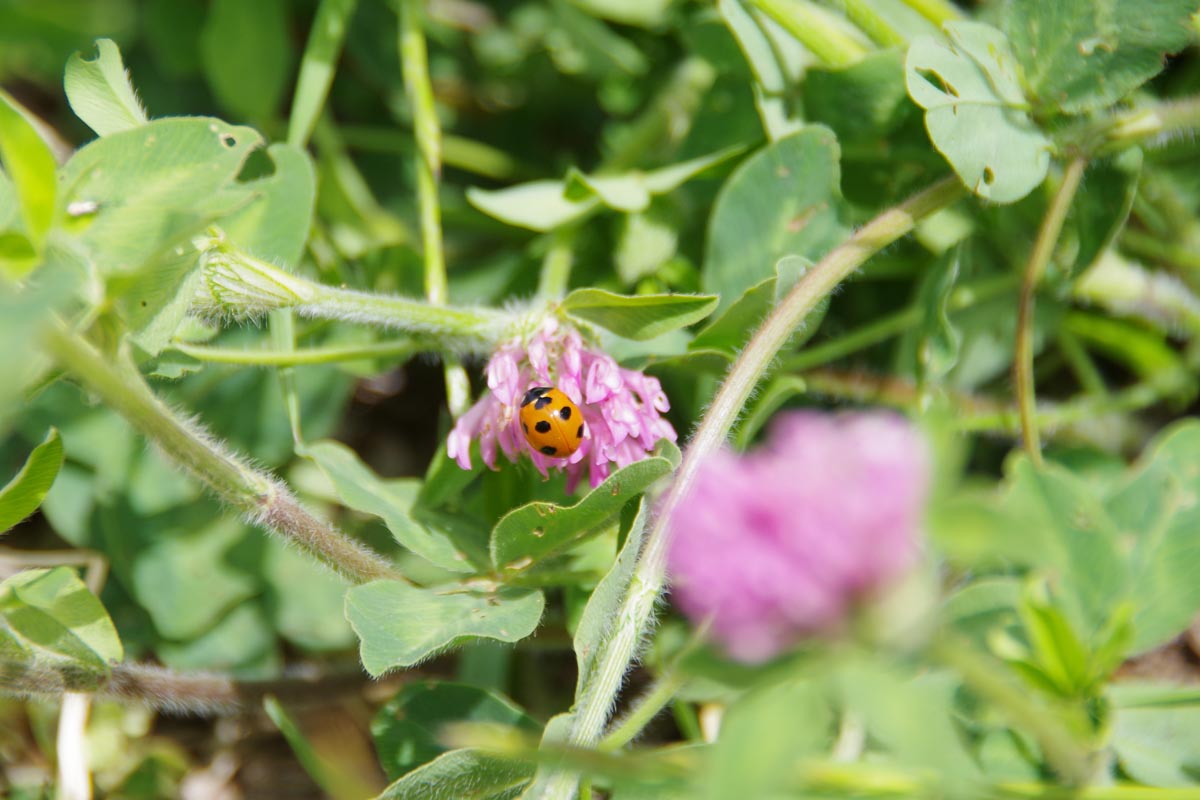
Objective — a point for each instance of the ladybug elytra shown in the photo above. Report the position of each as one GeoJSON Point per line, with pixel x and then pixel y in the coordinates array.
{"type": "Point", "coordinates": [551, 422]}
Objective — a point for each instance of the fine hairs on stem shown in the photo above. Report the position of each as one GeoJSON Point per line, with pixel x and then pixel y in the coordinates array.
{"type": "Point", "coordinates": [636, 611]}
{"type": "Point", "coordinates": [263, 499]}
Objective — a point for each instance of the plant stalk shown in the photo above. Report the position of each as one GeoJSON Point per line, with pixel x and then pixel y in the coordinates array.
{"type": "Point", "coordinates": [263, 499]}
{"type": "Point", "coordinates": [414, 61]}
{"type": "Point", "coordinates": [635, 614]}
{"type": "Point", "coordinates": [816, 29]}
{"type": "Point", "coordinates": [1043, 249]}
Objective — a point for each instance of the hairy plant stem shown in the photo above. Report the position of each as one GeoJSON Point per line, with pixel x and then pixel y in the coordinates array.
{"type": "Point", "coordinates": [172, 692]}
{"type": "Point", "coordinates": [260, 497]}
{"type": "Point", "coordinates": [595, 702]}
{"type": "Point", "coordinates": [239, 285]}
{"type": "Point", "coordinates": [1145, 124]}
{"type": "Point", "coordinates": [1039, 257]}
{"type": "Point", "coordinates": [414, 62]}
{"type": "Point", "coordinates": [816, 29]}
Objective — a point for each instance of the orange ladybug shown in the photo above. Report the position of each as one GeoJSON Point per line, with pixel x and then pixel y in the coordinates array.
{"type": "Point", "coordinates": [552, 423]}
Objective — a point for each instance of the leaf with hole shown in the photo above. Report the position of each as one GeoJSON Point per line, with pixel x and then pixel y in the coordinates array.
{"type": "Point", "coordinates": [152, 188]}
{"type": "Point", "coordinates": [976, 112]}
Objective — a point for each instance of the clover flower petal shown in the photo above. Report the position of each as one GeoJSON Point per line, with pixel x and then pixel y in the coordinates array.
{"type": "Point", "coordinates": [622, 408]}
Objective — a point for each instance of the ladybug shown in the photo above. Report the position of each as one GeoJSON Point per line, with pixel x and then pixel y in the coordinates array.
{"type": "Point", "coordinates": [552, 423]}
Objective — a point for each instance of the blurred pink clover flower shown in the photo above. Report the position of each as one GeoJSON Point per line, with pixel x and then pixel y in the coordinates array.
{"type": "Point", "coordinates": [780, 543]}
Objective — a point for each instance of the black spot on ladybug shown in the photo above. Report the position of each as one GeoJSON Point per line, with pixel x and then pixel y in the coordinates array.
{"type": "Point", "coordinates": [579, 433]}
{"type": "Point", "coordinates": [549, 450]}
{"type": "Point", "coordinates": [565, 412]}
{"type": "Point", "coordinates": [542, 427]}
{"type": "Point", "coordinates": [541, 403]}
{"type": "Point", "coordinates": [533, 394]}
{"type": "Point", "coordinates": [524, 427]}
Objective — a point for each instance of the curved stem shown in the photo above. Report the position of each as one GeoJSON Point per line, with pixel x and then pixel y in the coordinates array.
{"type": "Point", "coordinates": [1043, 248]}
{"type": "Point", "coordinates": [637, 606]}
{"type": "Point", "coordinates": [262, 498]}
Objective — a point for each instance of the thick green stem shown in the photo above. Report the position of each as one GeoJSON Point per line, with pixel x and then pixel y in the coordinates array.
{"type": "Point", "coordinates": [415, 63]}
{"type": "Point", "coordinates": [635, 614]}
{"type": "Point", "coordinates": [816, 29]}
{"type": "Point", "coordinates": [261, 497]}
{"type": "Point", "coordinates": [1043, 249]}
{"type": "Point", "coordinates": [870, 22]}
{"type": "Point", "coordinates": [939, 12]}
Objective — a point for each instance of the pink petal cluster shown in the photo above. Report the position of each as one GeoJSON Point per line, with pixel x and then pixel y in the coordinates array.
{"type": "Point", "coordinates": [622, 408]}
{"type": "Point", "coordinates": [780, 543]}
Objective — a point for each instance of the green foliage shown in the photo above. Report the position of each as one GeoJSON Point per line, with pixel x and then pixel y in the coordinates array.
{"type": "Point", "coordinates": [392, 501]}
{"type": "Point", "coordinates": [30, 166]}
{"type": "Point", "coordinates": [641, 317]}
{"type": "Point", "coordinates": [658, 176]}
{"type": "Point", "coordinates": [401, 625]}
{"type": "Point", "coordinates": [406, 730]}
{"type": "Point", "coordinates": [530, 536]}
{"type": "Point", "coordinates": [50, 621]}
{"type": "Point", "coordinates": [22, 495]}
{"type": "Point", "coordinates": [100, 92]}
{"type": "Point", "coordinates": [780, 201]}
{"type": "Point", "coordinates": [246, 56]}
{"type": "Point", "coordinates": [1081, 55]}
{"type": "Point", "coordinates": [462, 773]}
{"type": "Point", "coordinates": [976, 112]}
{"type": "Point", "coordinates": [152, 188]}
{"type": "Point", "coordinates": [545, 205]}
